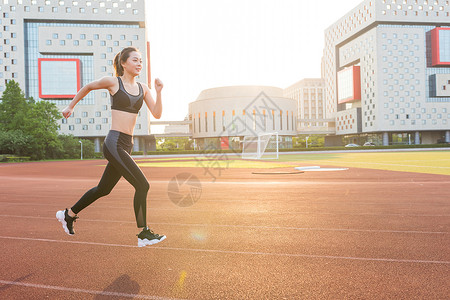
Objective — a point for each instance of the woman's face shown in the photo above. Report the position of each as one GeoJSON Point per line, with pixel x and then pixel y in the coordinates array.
{"type": "Point", "coordinates": [133, 65]}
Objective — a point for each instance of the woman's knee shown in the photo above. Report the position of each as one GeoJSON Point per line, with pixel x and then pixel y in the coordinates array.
{"type": "Point", "coordinates": [101, 192]}
{"type": "Point", "coordinates": [143, 186]}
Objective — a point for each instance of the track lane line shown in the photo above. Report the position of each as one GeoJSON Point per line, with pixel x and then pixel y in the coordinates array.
{"type": "Point", "coordinates": [246, 226]}
{"type": "Point", "coordinates": [76, 290]}
{"type": "Point", "coordinates": [443, 262]}
{"type": "Point", "coordinates": [178, 209]}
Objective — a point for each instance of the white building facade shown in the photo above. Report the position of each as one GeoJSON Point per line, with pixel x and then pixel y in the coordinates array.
{"type": "Point", "coordinates": [309, 94]}
{"type": "Point", "coordinates": [222, 117]}
{"type": "Point", "coordinates": [387, 72]}
{"type": "Point", "coordinates": [52, 48]}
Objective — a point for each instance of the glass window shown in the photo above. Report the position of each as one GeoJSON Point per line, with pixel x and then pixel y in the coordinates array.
{"type": "Point", "coordinates": [82, 36]}
{"type": "Point", "coordinates": [109, 36]}
{"type": "Point", "coordinates": [62, 42]}
{"type": "Point", "coordinates": [76, 42]}
{"type": "Point", "coordinates": [96, 36]}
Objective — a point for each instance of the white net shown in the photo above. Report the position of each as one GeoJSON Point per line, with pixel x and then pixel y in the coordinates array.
{"type": "Point", "coordinates": [263, 146]}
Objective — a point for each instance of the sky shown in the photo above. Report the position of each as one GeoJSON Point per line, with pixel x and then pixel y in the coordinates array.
{"type": "Point", "coordinates": [202, 44]}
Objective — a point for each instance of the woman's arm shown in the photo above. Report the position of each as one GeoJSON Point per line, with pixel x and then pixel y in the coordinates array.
{"type": "Point", "coordinates": [102, 83]}
{"type": "Point", "coordinates": [154, 106]}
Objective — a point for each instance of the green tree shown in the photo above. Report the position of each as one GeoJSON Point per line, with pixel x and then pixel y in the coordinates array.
{"type": "Point", "coordinates": [13, 107]}
{"type": "Point", "coordinates": [15, 142]}
{"type": "Point", "coordinates": [41, 124]}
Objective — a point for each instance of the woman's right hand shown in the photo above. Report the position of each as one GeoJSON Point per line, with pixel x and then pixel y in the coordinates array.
{"type": "Point", "coordinates": [67, 112]}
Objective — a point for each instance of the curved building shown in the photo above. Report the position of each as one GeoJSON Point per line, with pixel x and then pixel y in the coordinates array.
{"type": "Point", "coordinates": [222, 117]}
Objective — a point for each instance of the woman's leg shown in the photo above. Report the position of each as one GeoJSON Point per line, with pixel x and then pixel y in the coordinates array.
{"type": "Point", "coordinates": [118, 155]}
{"type": "Point", "coordinates": [109, 179]}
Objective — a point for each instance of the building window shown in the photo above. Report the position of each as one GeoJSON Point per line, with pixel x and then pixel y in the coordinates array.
{"type": "Point", "coordinates": [89, 43]}
{"type": "Point", "coordinates": [98, 127]}
{"type": "Point", "coordinates": [71, 127]}
{"type": "Point", "coordinates": [122, 37]}
{"type": "Point", "coordinates": [91, 121]}
{"type": "Point", "coordinates": [76, 42]}
{"type": "Point", "coordinates": [96, 36]}
{"type": "Point", "coordinates": [223, 120]}
{"type": "Point", "coordinates": [105, 120]}
{"type": "Point", "coordinates": [78, 121]}
{"type": "Point", "coordinates": [85, 127]}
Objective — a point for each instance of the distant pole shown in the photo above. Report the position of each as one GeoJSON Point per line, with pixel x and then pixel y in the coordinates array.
{"type": "Point", "coordinates": [81, 149]}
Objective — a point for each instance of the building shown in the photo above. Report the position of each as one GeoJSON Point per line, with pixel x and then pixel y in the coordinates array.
{"type": "Point", "coordinates": [54, 47]}
{"type": "Point", "coordinates": [387, 72]}
{"type": "Point", "coordinates": [222, 117]}
{"type": "Point", "coordinates": [309, 96]}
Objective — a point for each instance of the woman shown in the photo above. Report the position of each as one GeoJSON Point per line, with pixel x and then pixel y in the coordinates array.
{"type": "Point", "coordinates": [127, 97]}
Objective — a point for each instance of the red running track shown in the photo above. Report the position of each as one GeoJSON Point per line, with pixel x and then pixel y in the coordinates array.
{"type": "Point", "coordinates": [359, 234]}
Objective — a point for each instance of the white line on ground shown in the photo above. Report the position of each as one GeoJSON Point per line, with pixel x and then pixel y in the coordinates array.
{"type": "Point", "coordinates": [244, 226]}
{"type": "Point", "coordinates": [76, 290]}
{"type": "Point", "coordinates": [185, 209]}
{"type": "Point", "coordinates": [239, 252]}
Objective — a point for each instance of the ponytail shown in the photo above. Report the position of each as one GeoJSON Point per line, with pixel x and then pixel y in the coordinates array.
{"type": "Point", "coordinates": [122, 57]}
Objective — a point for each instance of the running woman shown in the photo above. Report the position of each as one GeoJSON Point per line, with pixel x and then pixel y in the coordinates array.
{"type": "Point", "coordinates": [127, 96]}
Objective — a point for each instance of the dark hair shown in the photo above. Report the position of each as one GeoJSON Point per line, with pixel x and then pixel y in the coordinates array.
{"type": "Point", "coordinates": [122, 57]}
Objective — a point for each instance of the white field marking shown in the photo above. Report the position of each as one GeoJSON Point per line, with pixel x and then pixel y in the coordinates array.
{"type": "Point", "coordinates": [238, 252]}
{"type": "Point", "coordinates": [381, 164]}
{"type": "Point", "coordinates": [245, 226]}
{"type": "Point", "coordinates": [240, 210]}
{"type": "Point", "coordinates": [75, 290]}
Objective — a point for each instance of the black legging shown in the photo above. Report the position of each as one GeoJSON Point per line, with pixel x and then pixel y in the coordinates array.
{"type": "Point", "coordinates": [117, 148]}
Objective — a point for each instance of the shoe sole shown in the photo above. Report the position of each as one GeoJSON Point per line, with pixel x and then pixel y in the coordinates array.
{"type": "Point", "coordinates": [61, 218]}
{"type": "Point", "coordinates": [145, 242]}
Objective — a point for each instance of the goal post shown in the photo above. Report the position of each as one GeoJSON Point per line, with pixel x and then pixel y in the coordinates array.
{"type": "Point", "coordinates": [263, 146]}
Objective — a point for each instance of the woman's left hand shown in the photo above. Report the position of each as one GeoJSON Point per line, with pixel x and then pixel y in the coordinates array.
{"type": "Point", "coordinates": [158, 85]}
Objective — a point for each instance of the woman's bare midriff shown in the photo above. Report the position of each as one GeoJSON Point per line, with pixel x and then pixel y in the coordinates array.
{"type": "Point", "coordinates": [123, 121]}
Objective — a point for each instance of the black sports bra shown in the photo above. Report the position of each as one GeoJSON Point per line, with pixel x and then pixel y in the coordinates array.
{"type": "Point", "coordinates": [124, 101]}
